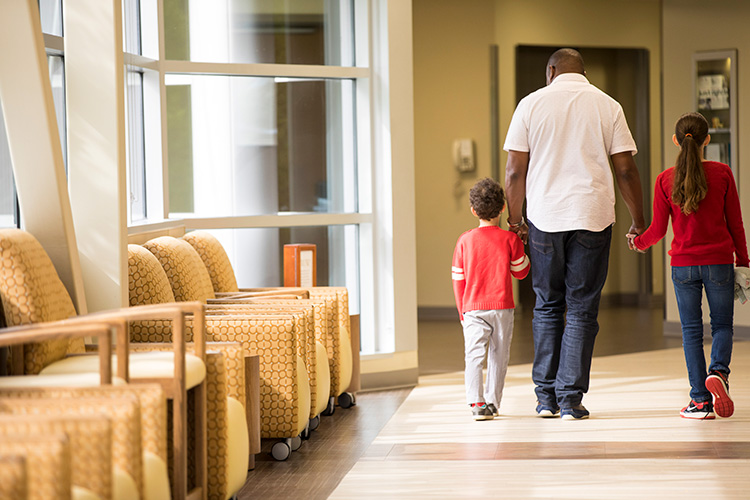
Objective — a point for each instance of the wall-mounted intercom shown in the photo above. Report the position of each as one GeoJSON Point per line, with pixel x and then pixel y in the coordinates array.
{"type": "Point", "coordinates": [463, 155]}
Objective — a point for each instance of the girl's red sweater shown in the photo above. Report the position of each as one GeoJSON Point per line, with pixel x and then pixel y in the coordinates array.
{"type": "Point", "coordinates": [713, 234]}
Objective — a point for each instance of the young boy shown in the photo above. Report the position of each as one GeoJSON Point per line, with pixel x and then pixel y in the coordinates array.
{"type": "Point", "coordinates": [484, 260]}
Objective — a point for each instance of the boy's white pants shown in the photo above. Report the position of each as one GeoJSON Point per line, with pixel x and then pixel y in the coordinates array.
{"type": "Point", "coordinates": [490, 333]}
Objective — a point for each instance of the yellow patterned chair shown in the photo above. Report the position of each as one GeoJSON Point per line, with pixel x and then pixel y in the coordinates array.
{"type": "Point", "coordinates": [152, 427]}
{"type": "Point", "coordinates": [338, 343]}
{"type": "Point", "coordinates": [13, 475]}
{"type": "Point", "coordinates": [90, 439]}
{"type": "Point", "coordinates": [124, 415]}
{"type": "Point", "coordinates": [313, 319]}
{"type": "Point", "coordinates": [189, 281]}
{"type": "Point", "coordinates": [32, 293]}
{"type": "Point", "coordinates": [284, 389]}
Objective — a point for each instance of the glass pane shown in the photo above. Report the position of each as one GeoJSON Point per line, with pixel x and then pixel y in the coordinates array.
{"type": "Point", "coordinates": [257, 255]}
{"type": "Point", "coordinates": [260, 146]}
{"type": "Point", "coordinates": [712, 88]}
{"type": "Point", "coordinates": [50, 12]}
{"type": "Point", "coordinates": [132, 26]}
{"type": "Point", "coordinates": [56, 66]}
{"type": "Point", "coordinates": [136, 149]}
{"type": "Point", "coordinates": [319, 32]}
{"type": "Point", "coordinates": [7, 185]}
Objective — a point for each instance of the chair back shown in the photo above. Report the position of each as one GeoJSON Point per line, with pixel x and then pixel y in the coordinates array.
{"type": "Point", "coordinates": [31, 292]}
{"type": "Point", "coordinates": [216, 260]}
{"type": "Point", "coordinates": [185, 270]}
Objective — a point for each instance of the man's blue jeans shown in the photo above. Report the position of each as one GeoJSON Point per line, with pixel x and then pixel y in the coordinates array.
{"type": "Point", "coordinates": [689, 282]}
{"type": "Point", "coordinates": [568, 271]}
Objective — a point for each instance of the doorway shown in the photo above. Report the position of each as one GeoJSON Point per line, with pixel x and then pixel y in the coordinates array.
{"type": "Point", "coordinates": [624, 75]}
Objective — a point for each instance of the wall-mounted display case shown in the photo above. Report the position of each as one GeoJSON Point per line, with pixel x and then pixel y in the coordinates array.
{"type": "Point", "coordinates": [715, 94]}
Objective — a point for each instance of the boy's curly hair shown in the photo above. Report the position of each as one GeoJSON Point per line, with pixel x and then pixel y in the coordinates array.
{"type": "Point", "coordinates": [487, 198]}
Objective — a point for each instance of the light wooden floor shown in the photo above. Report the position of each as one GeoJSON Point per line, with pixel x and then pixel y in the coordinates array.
{"type": "Point", "coordinates": [422, 443]}
{"type": "Point", "coordinates": [635, 445]}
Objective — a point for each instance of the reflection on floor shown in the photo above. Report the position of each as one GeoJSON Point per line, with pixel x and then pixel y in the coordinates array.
{"type": "Point", "coordinates": [635, 445]}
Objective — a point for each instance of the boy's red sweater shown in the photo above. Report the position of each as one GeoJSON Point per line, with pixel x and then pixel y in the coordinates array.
{"type": "Point", "coordinates": [484, 260]}
{"type": "Point", "coordinates": [713, 234]}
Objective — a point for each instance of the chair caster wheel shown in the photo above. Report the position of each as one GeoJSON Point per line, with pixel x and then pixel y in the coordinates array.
{"type": "Point", "coordinates": [330, 408]}
{"type": "Point", "coordinates": [281, 451]}
{"type": "Point", "coordinates": [347, 400]}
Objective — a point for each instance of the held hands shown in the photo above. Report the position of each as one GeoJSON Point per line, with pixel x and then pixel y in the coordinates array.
{"type": "Point", "coordinates": [632, 234]}
{"type": "Point", "coordinates": [522, 231]}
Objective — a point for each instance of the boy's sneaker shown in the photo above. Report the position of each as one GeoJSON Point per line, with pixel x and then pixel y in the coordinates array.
{"type": "Point", "coordinates": [493, 409]}
{"type": "Point", "coordinates": [576, 413]}
{"type": "Point", "coordinates": [700, 411]}
{"type": "Point", "coordinates": [546, 411]}
{"type": "Point", "coordinates": [717, 384]}
{"type": "Point", "coordinates": [481, 412]}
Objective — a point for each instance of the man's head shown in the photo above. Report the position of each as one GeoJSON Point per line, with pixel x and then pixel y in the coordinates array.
{"type": "Point", "coordinates": [564, 61]}
{"type": "Point", "coordinates": [487, 199]}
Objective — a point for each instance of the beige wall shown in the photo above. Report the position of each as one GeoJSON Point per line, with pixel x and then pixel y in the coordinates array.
{"type": "Point", "coordinates": [452, 97]}
{"type": "Point", "coordinates": [691, 26]}
{"type": "Point", "coordinates": [451, 101]}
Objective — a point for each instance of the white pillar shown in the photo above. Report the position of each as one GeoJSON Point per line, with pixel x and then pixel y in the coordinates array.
{"type": "Point", "coordinates": [95, 80]}
{"type": "Point", "coordinates": [34, 142]}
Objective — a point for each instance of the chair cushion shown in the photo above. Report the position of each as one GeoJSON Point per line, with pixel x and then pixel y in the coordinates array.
{"type": "Point", "coordinates": [148, 283]}
{"type": "Point", "coordinates": [154, 364]}
{"type": "Point", "coordinates": [90, 379]}
{"type": "Point", "coordinates": [323, 376]}
{"type": "Point", "coordinates": [155, 477]}
{"type": "Point", "coordinates": [217, 262]}
{"type": "Point", "coordinates": [185, 270]}
{"type": "Point", "coordinates": [238, 446]}
{"type": "Point", "coordinates": [31, 292]}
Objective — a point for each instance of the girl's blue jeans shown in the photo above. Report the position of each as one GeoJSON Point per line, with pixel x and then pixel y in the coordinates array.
{"type": "Point", "coordinates": [718, 282]}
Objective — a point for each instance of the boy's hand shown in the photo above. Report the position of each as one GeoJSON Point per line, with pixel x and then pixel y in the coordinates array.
{"type": "Point", "coordinates": [522, 231]}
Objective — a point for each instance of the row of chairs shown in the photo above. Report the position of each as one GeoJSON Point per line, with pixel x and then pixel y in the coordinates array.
{"type": "Point", "coordinates": [229, 366]}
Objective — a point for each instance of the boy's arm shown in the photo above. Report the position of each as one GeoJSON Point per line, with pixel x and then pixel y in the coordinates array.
{"type": "Point", "coordinates": [459, 281]}
{"type": "Point", "coordinates": [519, 261]}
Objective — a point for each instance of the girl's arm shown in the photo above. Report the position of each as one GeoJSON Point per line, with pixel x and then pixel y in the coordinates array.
{"type": "Point", "coordinates": [658, 227]}
{"type": "Point", "coordinates": [733, 216]}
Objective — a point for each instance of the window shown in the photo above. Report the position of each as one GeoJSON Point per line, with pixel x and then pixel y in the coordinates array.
{"type": "Point", "coordinates": [51, 19]}
{"type": "Point", "coordinates": [260, 105]}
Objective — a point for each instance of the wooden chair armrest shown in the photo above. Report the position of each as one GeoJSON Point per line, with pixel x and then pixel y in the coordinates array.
{"type": "Point", "coordinates": [102, 330]}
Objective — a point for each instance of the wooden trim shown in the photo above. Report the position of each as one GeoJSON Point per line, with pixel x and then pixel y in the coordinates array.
{"type": "Point", "coordinates": [252, 403]}
{"type": "Point", "coordinates": [356, 384]}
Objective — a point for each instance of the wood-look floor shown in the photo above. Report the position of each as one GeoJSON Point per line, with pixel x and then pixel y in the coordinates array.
{"type": "Point", "coordinates": [423, 443]}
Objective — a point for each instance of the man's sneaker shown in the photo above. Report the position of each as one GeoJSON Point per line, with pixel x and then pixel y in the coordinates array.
{"type": "Point", "coordinates": [481, 412]}
{"type": "Point", "coordinates": [493, 409]}
{"type": "Point", "coordinates": [700, 411]}
{"type": "Point", "coordinates": [546, 411]}
{"type": "Point", "coordinates": [717, 384]}
{"type": "Point", "coordinates": [576, 413]}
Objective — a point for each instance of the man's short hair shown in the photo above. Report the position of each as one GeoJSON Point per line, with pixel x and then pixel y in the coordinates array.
{"type": "Point", "coordinates": [487, 198]}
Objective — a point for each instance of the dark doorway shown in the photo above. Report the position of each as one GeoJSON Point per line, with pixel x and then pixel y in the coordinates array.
{"type": "Point", "coordinates": [624, 75]}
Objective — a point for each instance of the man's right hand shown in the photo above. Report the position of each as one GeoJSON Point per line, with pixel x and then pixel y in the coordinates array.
{"type": "Point", "coordinates": [522, 231]}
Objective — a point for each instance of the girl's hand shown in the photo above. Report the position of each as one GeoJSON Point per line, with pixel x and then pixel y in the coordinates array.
{"type": "Point", "coordinates": [630, 237]}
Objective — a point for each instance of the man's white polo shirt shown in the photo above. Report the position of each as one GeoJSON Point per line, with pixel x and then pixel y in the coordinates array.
{"type": "Point", "coordinates": [569, 128]}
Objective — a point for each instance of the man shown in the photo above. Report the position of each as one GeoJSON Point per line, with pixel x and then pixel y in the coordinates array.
{"type": "Point", "coordinates": [559, 142]}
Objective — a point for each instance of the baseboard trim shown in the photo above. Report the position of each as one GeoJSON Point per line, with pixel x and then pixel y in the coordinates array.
{"type": "Point", "coordinates": [377, 381]}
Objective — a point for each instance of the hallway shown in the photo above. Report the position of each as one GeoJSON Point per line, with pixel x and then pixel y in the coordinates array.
{"type": "Point", "coordinates": [635, 445]}
{"type": "Point", "coordinates": [422, 442]}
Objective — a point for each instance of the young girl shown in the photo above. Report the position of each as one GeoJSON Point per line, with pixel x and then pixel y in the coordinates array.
{"type": "Point", "coordinates": [701, 198]}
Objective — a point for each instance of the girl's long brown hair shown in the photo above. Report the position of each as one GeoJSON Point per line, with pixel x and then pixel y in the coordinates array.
{"type": "Point", "coordinates": [689, 186]}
